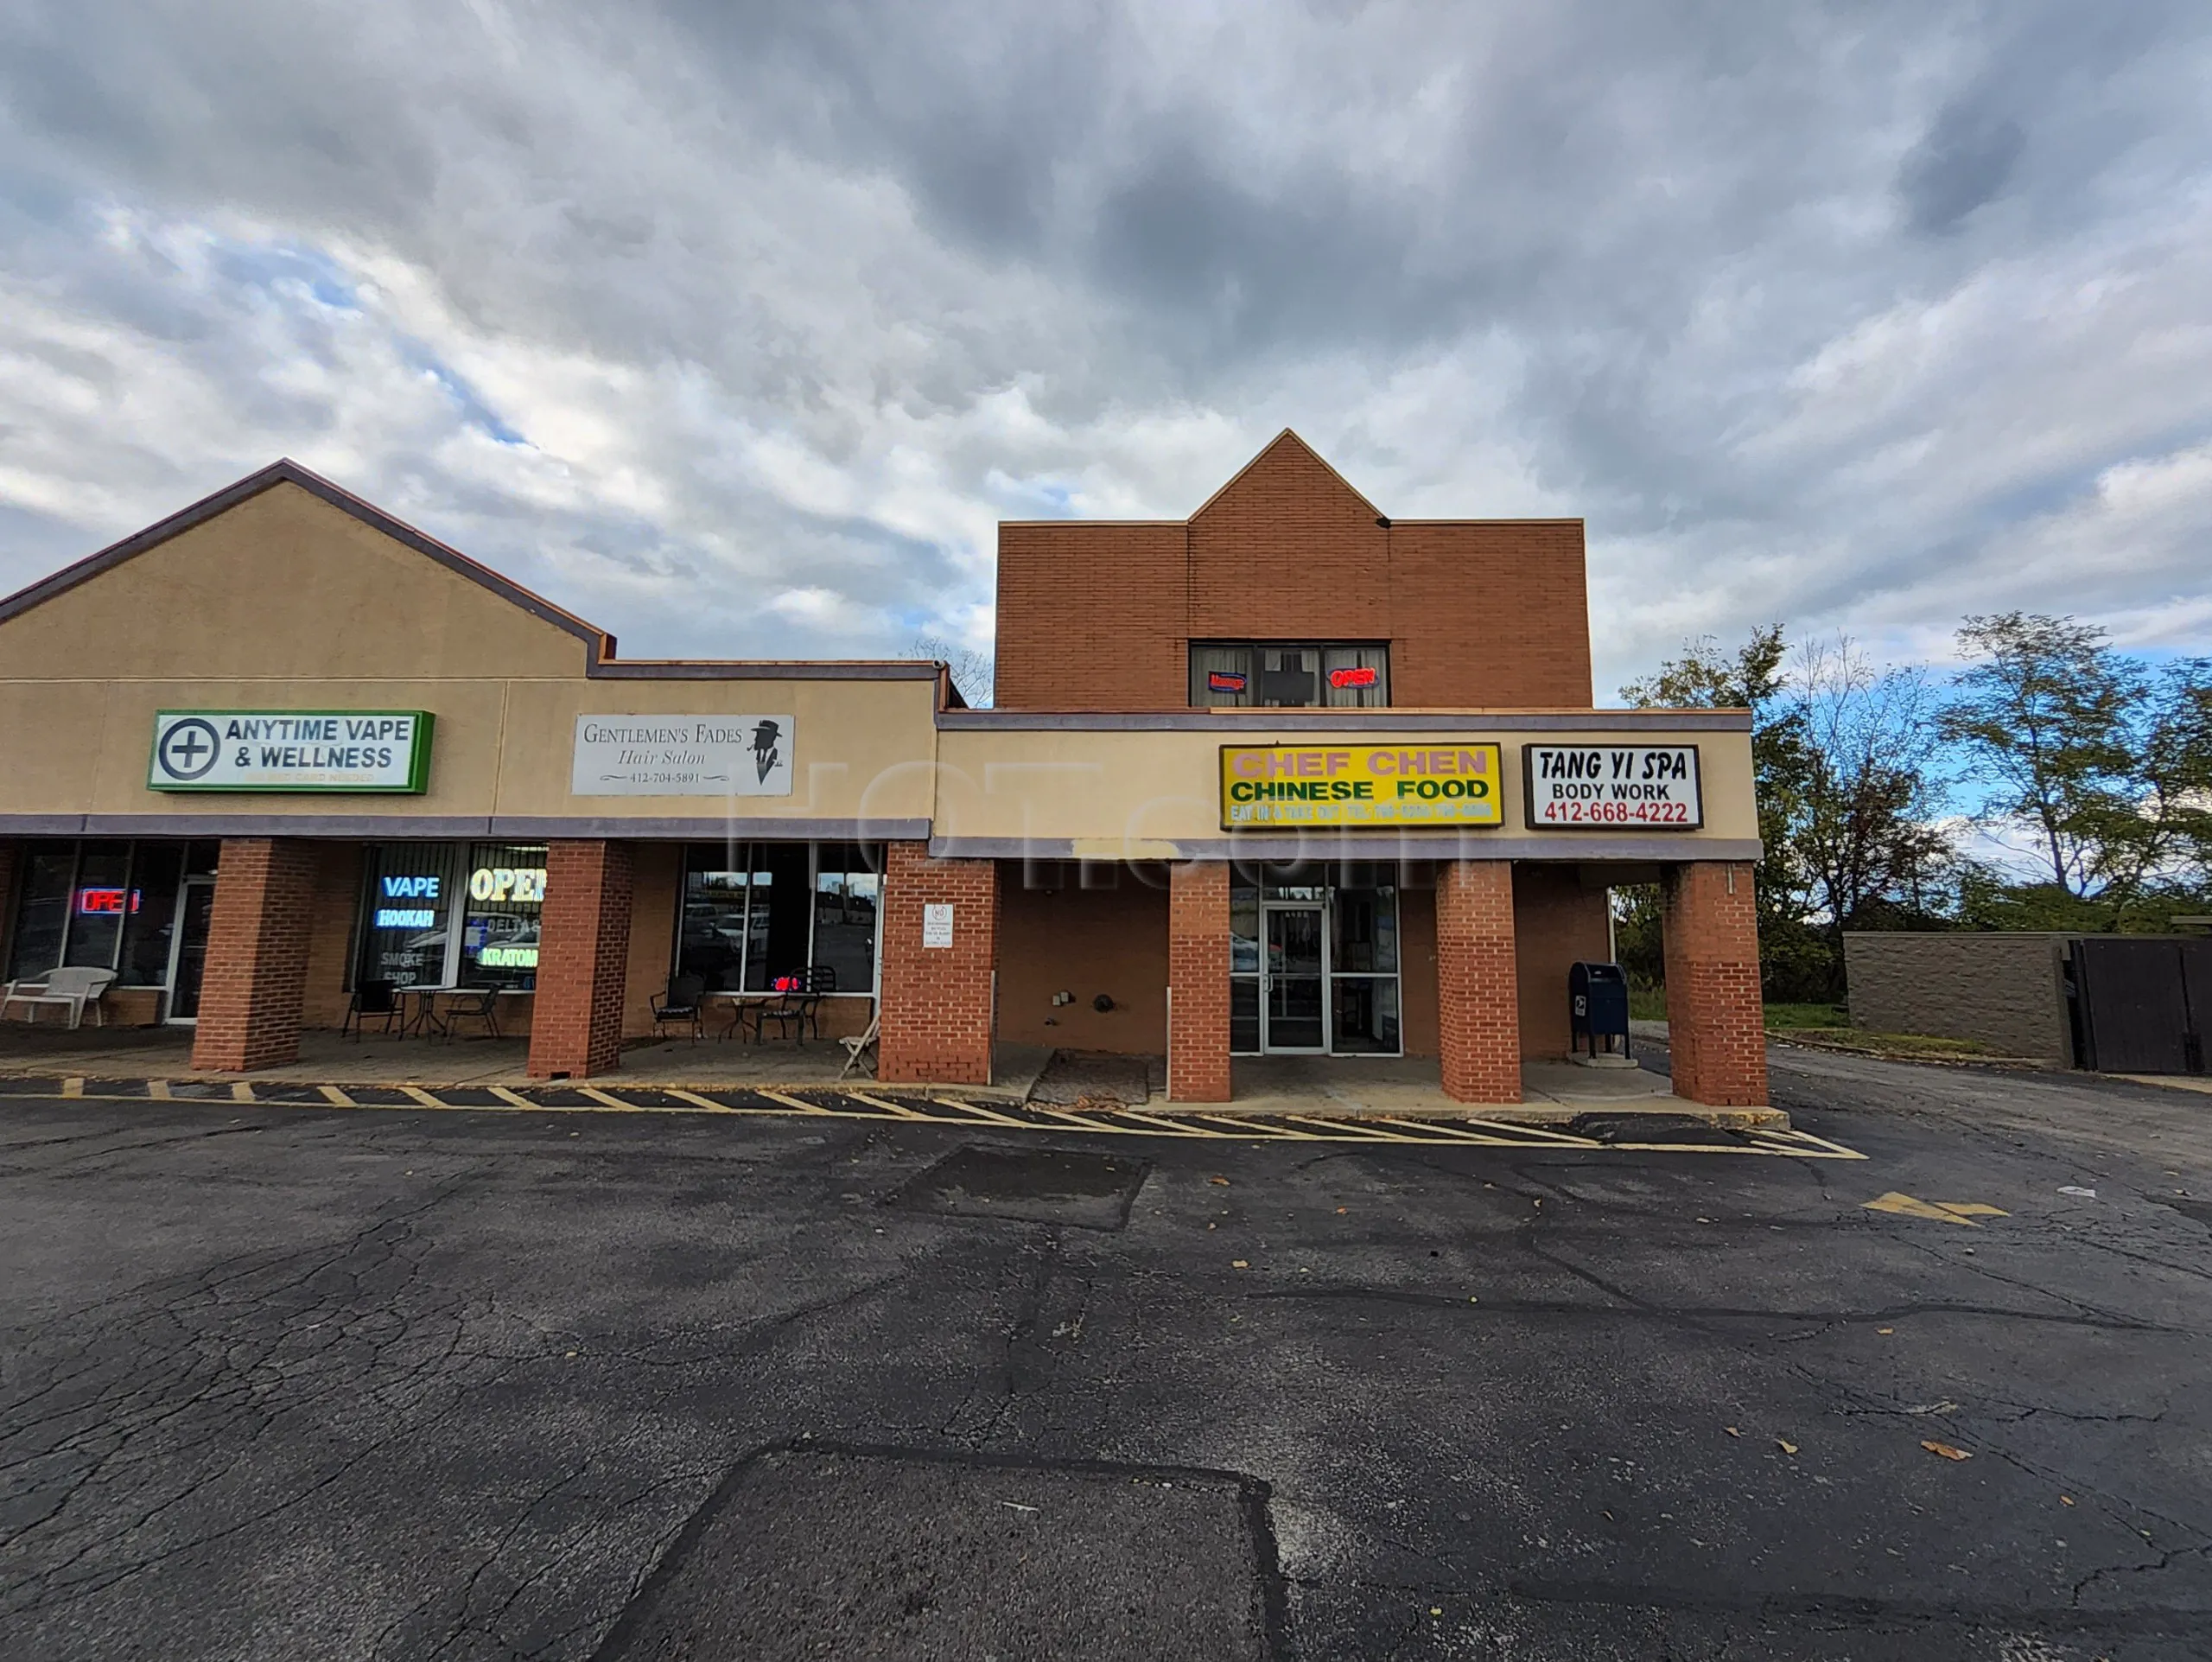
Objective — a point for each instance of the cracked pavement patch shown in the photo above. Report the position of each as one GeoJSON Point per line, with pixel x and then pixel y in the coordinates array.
{"type": "Point", "coordinates": [281, 1383]}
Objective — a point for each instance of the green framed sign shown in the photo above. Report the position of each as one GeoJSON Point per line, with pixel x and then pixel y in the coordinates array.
{"type": "Point", "coordinates": [377, 752]}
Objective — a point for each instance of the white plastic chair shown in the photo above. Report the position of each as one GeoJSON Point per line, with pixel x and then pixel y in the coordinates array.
{"type": "Point", "coordinates": [73, 988]}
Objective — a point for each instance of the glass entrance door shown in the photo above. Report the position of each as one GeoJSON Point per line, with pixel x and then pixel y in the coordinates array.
{"type": "Point", "coordinates": [188, 955]}
{"type": "Point", "coordinates": [1294, 1013]}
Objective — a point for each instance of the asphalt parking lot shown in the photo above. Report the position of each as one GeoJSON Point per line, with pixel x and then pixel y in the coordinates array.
{"type": "Point", "coordinates": [293, 1382]}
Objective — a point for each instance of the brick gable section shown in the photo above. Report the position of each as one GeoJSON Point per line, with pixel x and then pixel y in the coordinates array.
{"type": "Point", "coordinates": [1479, 614]}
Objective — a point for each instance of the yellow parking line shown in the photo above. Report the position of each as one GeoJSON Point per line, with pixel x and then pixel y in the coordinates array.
{"type": "Point", "coordinates": [1172, 1127]}
{"type": "Point", "coordinates": [512, 1098]}
{"type": "Point", "coordinates": [608, 1101]}
{"type": "Point", "coordinates": [421, 1096]}
{"type": "Point", "coordinates": [1245, 1127]}
{"type": "Point", "coordinates": [899, 1109]}
{"type": "Point", "coordinates": [802, 1105]}
{"type": "Point", "coordinates": [990, 1115]}
{"type": "Point", "coordinates": [158, 1089]}
{"type": "Point", "coordinates": [698, 1101]}
{"type": "Point", "coordinates": [1069, 1116]}
{"type": "Point", "coordinates": [242, 1090]}
{"type": "Point", "coordinates": [336, 1098]}
{"type": "Point", "coordinates": [72, 1088]}
{"type": "Point", "coordinates": [1539, 1134]}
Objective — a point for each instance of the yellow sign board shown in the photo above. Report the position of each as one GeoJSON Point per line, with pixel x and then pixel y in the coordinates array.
{"type": "Point", "coordinates": [1421, 782]}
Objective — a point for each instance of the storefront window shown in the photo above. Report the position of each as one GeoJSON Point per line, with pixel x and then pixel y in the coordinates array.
{"type": "Point", "coordinates": [43, 916]}
{"type": "Point", "coordinates": [157, 868]}
{"type": "Point", "coordinates": [756, 913]}
{"type": "Point", "coordinates": [407, 913]}
{"type": "Point", "coordinates": [846, 893]}
{"type": "Point", "coordinates": [102, 906]}
{"type": "Point", "coordinates": [499, 935]}
{"type": "Point", "coordinates": [99, 903]}
{"type": "Point", "coordinates": [1283, 676]}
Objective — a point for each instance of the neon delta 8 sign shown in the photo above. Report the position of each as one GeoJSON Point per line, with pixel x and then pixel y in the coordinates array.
{"type": "Point", "coordinates": [1613, 787]}
{"type": "Point", "coordinates": [373, 751]}
{"type": "Point", "coordinates": [1453, 782]}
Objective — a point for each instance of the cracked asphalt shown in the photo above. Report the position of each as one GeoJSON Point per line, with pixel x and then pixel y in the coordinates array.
{"type": "Point", "coordinates": [296, 1383]}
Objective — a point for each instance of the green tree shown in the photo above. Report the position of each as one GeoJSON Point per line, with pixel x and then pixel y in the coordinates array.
{"type": "Point", "coordinates": [2045, 718]}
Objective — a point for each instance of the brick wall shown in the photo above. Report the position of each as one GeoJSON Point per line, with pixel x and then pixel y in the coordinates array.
{"type": "Point", "coordinates": [1057, 935]}
{"type": "Point", "coordinates": [583, 958]}
{"type": "Point", "coordinates": [1716, 1034]}
{"type": "Point", "coordinates": [258, 941]}
{"type": "Point", "coordinates": [1478, 612]}
{"type": "Point", "coordinates": [937, 1016]}
{"type": "Point", "coordinates": [1478, 1017]}
{"type": "Point", "coordinates": [1555, 921]}
{"type": "Point", "coordinates": [1198, 971]}
{"type": "Point", "coordinates": [337, 911]}
{"type": "Point", "coordinates": [2002, 989]}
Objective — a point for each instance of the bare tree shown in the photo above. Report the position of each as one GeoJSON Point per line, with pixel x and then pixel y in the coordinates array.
{"type": "Point", "coordinates": [974, 671]}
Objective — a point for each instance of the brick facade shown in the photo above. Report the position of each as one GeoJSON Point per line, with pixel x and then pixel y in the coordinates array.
{"type": "Point", "coordinates": [1479, 1020]}
{"type": "Point", "coordinates": [259, 936]}
{"type": "Point", "coordinates": [936, 1013]}
{"type": "Point", "coordinates": [583, 957]}
{"type": "Point", "coordinates": [1100, 616]}
{"type": "Point", "coordinates": [1715, 1024]}
{"type": "Point", "coordinates": [1198, 978]}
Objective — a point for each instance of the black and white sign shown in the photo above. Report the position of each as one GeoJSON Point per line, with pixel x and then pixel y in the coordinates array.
{"type": "Point", "coordinates": [279, 750]}
{"type": "Point", "coordinates": [1612, 786]}
{"type": "Point", "coordinates": [936, 923]}
{"type": "Point", "coordinates": [682, 755]}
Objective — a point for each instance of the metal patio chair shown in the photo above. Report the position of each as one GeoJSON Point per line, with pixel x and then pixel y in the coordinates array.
{"type": "Point", "coordinates": [680, 1004]}
{"type": "Point", "coordinates": [370, 999]}
{"type": "Point", "coordinates": [471, 1004]}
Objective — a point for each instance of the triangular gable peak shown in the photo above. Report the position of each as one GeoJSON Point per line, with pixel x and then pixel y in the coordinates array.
{"type": "Point", "coordinates": [1288, 474]}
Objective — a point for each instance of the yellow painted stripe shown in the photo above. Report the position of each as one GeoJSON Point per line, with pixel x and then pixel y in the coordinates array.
{"type": "Point", "coordinates": [990, 1114]}
{"type": "Point", "coordinates": [513, 1099]}
{"type": "Point", "coordinates": [698, 1101]}
{"type": "Point", "coordinates": [1069, 1116]}
{"type": "Point", "coordinates": [158, 1089]}
{"type": "Point", "coordinates": [888, 1107]}
{"type": "Point", "coordinates": [242, 1090]}
{"type": "Point", "coordinates": [421, 1096]}
{"type": "Point", "coordinates": [607, 1101]}
{"type": "Point", "coordinates": [72, 1088]}
{"type": "Point", "coordinates": [336, 1098]}
{"type": "Point", "coordinates": [1171, 1127]}
{"type": "Point", "coordinates": [1245, 1127]}
{"type": "Point", "coordinates": [805, 1107]}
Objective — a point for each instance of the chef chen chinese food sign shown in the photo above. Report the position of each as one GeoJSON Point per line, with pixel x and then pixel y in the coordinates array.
{"type": "Point", "coordinates": [1431, 783]}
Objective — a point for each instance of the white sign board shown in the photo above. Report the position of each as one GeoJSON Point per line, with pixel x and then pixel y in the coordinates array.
{"type": "Point", "coordinates": [682, 755]}
{"type": "Point", "coordinates": [936, 923]}
{"type": "Point", "coordinates": [362, 750]}
{"type": "Point", "coordinates": [1612, 786]}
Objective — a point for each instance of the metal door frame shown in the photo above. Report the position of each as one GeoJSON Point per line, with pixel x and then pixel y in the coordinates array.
{"type": "Point", "coordinates": [184, 887]}
{"type": "Point", "coordinates": [1324, 913]}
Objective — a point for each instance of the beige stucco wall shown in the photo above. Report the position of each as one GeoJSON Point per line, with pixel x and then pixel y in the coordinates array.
{"type": "Point", "coordinates": [1140, 793]}
{"type": "Point", "coordinates": [285, 602]}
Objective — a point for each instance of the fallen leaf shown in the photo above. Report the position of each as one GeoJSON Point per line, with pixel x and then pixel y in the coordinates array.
{"type": "Point", "coordinates": [1341, 1210]}
{"type": "Point", "coordinates": [1885, 1330]}
{"type": "Point", "coordinates": [1946, 1451]}
{"type": "Point", "coordinates": [1731, 1431]}
{"type": "Point", "coordinates": [1785, 1445]}
{"type": "Point", "coordinates": [1238, 1264]}
{"type": "Point", "coordinates": [2065, 1500]}
{"type": "Point", "coordinates": [1223, 1181]}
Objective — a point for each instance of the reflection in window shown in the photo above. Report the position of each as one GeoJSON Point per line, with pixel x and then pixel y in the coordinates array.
{"type": "Point", "coordinates": [1289, 676]}
{"type": "Point", "coordinates": [846, 895]}
{"type": "Point", "coordinates": [757, 912]}
{"type": "Point", "coordinates": [499, 934]}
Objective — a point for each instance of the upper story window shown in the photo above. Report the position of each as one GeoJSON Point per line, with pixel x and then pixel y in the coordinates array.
{"type": "Point", "coordinates": [1270, 675]}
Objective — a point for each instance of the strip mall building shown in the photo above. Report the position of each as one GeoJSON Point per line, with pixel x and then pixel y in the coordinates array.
{"type": "Point", "coordinates": [1287, 776]}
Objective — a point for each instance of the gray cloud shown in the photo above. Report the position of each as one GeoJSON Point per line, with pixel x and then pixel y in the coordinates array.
{"type": "Point", "coordinates": [735, 327]}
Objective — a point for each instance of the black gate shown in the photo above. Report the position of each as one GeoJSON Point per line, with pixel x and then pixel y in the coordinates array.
{"type": "Point", "coordinates": [2142, 1004]}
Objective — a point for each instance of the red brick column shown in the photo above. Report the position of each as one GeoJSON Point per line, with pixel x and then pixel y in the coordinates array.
{"type": "Point", "coordinates": [936, 1013]}
{"type": "Point", "coordinates": [1477, 982]}
{"type": "Point", "coordinates": [257, 969]}
{"type": "Point", "coordinates": [583, 961]}
{"type": "Point", "coordinates": [1716, 1034]}
{"type": "Point", "coordinates": [1198, 982]}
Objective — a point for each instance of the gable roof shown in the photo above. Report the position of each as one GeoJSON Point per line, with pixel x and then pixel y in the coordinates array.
{"type": "Point", "coordinates": [1288, 439]}
{"type": "Point", "coordinates": [599, 645]}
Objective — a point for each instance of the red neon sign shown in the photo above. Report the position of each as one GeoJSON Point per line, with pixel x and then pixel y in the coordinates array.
{"type": "Point", "coordinates": [96, 901]}
{"type": "Point", "coordinates": [1358, 677]}
{"type": "Point", "coordinates": [1225, 681]}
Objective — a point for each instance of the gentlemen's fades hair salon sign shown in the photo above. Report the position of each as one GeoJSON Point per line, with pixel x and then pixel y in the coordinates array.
{"type": "Point", "coordinates": [286, 750]}
{"type": "Point", "coordinates": [682, 755]}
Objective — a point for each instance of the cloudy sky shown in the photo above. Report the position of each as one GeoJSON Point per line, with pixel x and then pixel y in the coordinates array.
{"type": "Point", "coordinates": [735, 327]}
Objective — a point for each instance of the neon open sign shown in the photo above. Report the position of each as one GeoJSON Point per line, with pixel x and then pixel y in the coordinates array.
{"type": "Point", "coordinates": [95, 902]}
{"type": "Point", "coordinates": [1358, 677]}
{"type": "Point", "coordinates": [524, 884]}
